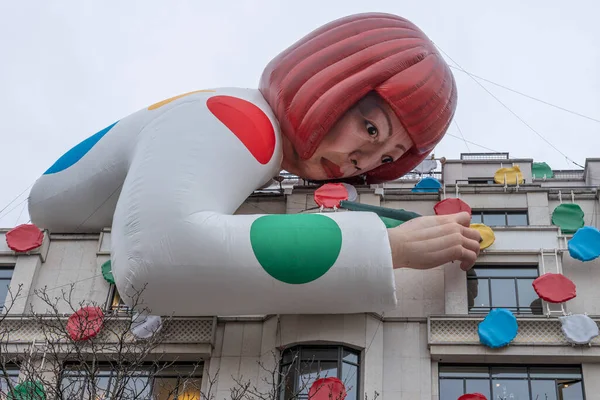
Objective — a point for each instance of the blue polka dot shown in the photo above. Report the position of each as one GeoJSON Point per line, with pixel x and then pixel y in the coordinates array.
{"type": "Point", "coordinates": [427, 185]}
{"type": "Point", "coordinates": [77, 152]}
{"type": "Point", "coordinates": [585, 244]}
{"type": "Point", "coordinates": [498, 329]}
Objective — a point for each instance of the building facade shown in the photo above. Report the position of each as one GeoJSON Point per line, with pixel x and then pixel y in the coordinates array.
{"type": "Point", "coordinates": [428, 348]}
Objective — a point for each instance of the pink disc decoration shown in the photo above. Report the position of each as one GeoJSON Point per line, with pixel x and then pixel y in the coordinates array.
{"type": "Point", "coordinates": [85, 323]}
{"type": "Point", "coordinates": [24, 238]}
{"type": "Point", "coordinates": [327, 389]}
{"type": "Point", "coordinates": [472, 396]}
{"type": "Point", "coordinates": [330, 195]}
{"type": "Point", "coordinates": [554, 288]}
{"type": "Point", "coordinates": [451, 206]}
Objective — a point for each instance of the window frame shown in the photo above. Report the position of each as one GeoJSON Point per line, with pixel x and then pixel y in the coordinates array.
{"type": "Point", "coordinates": [528, 378]}
{"type": "Point", "coordinates": [506, 212]}
{"type": "Point", "coordinates": [519, 309]}
{"type": "Point", "coordinates": [147, 370]}
{"type": "Point", "coordinates": [339, 359]}
{"type": "Point", "coordinates": [113, 294]}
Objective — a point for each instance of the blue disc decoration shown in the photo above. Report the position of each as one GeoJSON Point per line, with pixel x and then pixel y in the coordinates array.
{"type": "Point", "coordinates": [498, 329]}
{"type": "Point", "coordinates": [427, 185]}
{"type": "Point", "coordinates": [585, 244]}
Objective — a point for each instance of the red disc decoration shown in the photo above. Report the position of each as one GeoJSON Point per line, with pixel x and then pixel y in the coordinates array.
{"type": "Point", "coordinates": [85, 323]}
{"type": "Point", "coordinates": [327, 389]}
{"type": "Point", "coordinates": [472, 396]}
{"type": "Point", "coordinates": [24, 238]}
{"type": "Point", "coordinates": [330, 195]}
{"type": "Point", "coordinates": [554, 288]}
{"type": "Point", "coordinates": [451, 206]}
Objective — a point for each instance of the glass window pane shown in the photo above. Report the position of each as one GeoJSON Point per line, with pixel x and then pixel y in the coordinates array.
{"type": "Point", "coordinates": [511, 389]}
{"type": "Point", "coordinates": [350, 380]}
{"type": "Point", "coordinates": [350, 356]}
{"type": "Point", "coordinates": [570, 391]}
{"type": "Point", "coordinates": [478, 294]}
{"type": "Point", "coordinates": [525, 272]}
{"type": "Point", "coordinates": [494, 219]}
{"type": "Point", "coordinates": [6, 273]}
{"type": "Point", "coordinates": [509, 372]}
{"type": "Point", "coordinates": [527, 296]}
{"type": "Point", "coordinates": [287, 382]}
{"type": "Point", "coordinates": [319, 354]}
{"type": "Point", "coordinates": [463, 371]}
{"type": "Point", "coordinates": [451, 389]}
{"type": "Point", "coordinates": [479, 386]}
{"type": "Point", "coordinates": [4, 284]}
{"type": "Point", "coordinates": [189, 389]}
{"type": "Point", "coordinates": [517, 219]}
{"type": "Point", "coordinates": [543, 389]}
{"type": "Point", "coordinates": [503, 293]}
{"type": "Point", "coordinates": [165, 388]}
{"type": "Point", "coordinates": [476, 219]}
{"type": "Point", "coordinates": [309, 372]}
{"type": "Point", "coordinates": [290, 356]}
{"type": "Point", "coordinates": [328, 369]}
{"type": "Point", "coordinates": [555, 373]}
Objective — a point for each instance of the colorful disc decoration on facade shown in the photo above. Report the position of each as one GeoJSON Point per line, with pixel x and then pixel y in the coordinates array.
{"type": "Point", "coordinates": [145, 326]}
{"type": "Point", "coordinates": [585, 244]}
{"type": "Point", "coordinates": [330, 388]}
{"type": "Point", "coordinates": [498, 329]}
{"type": "Point", "coordinates": [107, 272]}
{"type": "Point", "coordinates": [24, 238]}
{"type": "Point", "coordinates": [509, 176]}
{"type": "Point", "coordinates": [451, 206]}
{"type": "Point", "coordinates": [85, 323]}
{"type": "Point", "coordinates": [352, 193]}
{"type": "Point", "coordinates": [472, 396]}
{"type": "Point", "coordinates": [579, 328]}
{"type": "Point", "coordinates": [554, 288]}
{"type": "Point", "coordinates": [28, 390]}
{"type": "Point", "coordinates": [568, 217]}
{"type": "Point", "coordinates": [487, 235]}
{"type": "Point", "coordinates": [427, 185]}
{"type": "Point", "coordinates": [296, 248]}
{"type": "Point", "coordinates": [330, 195]}
{"type": "Point", "coordinates": [541, 170]}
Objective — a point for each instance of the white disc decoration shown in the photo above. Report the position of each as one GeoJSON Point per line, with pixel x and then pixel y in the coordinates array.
{"type": "Point", "coordinates": [426, 166]}
{"type": "Point", "coordinates": [145, 326]}
{"type": "Point", "coordinates": [352, 193]}
{"type": "Point", "coordinates": [579, 328]}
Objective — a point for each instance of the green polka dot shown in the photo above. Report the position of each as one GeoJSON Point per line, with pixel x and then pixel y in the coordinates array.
{"type": "Point", "coordinates": [107, 272]}
{"type": "Point", "coordinates": [298, 248]}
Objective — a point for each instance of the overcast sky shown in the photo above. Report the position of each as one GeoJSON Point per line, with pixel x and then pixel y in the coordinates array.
{"type": "Point", "coordinates": [70, 68]}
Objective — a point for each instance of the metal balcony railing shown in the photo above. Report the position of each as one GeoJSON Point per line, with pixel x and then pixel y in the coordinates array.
{"type": "Point", "coordinates": [484, 156]}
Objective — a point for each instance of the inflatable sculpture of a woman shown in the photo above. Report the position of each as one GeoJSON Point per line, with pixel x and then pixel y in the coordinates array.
{"type": "Point", "coordinates": [364, 96]}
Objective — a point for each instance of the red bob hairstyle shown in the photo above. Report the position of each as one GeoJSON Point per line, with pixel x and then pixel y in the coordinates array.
{"type": "Point", "coordinates": [314, 82]}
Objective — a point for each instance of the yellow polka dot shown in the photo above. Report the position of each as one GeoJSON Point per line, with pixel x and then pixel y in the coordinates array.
{"type": "Point", "coordinates": [509, 176]}
{"type": "Point", "coordinates": [487, 235]}
{"type": "Point", "coordinates": [167, 101]}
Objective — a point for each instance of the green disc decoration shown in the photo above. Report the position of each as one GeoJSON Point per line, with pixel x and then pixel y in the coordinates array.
{"type": "Point", "coordinates": [569, 217]}
{"type": "Point", "coordinates": [390, 222]}
{"type": "Point", "coordinates": [107, 273]}
{"type": "Point", "coordinates": [541, 169]}
{"type": "Point", "coordinates": [296, 249]}
{"type": "Point", "coordinates": [28, 390]}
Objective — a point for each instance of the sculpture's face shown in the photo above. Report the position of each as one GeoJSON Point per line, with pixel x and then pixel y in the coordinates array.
{"type": "Point", "coordinates": [367, 136]}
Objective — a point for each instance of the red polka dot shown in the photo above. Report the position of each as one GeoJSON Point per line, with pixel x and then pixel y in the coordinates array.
{"type": "Point", "coordinates": [327, 389]}
{"type": "Point", "coordinates": [330, 195]}
{"type": "Point", "coordinates": [85, 323]}
{"type": "Point", "coordinates": [248, 122]}
{"type": "Point", "coordinates": [451, 206]}
{"type": "Point", "coordinates": [554, 288]}
{"type": "Point", "coordinates": [472, 396]}
{"type": "Point", "coordinates": [24, 238]}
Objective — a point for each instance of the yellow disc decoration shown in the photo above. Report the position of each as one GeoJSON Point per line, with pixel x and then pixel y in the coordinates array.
{"type": "Point", "coordinates": [509, 176]}
{"type": "Point", "coordinates": [487, 235]}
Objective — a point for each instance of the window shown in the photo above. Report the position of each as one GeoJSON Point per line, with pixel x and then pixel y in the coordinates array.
{"type": "Point", "coordinates": [175, 382]}
{"type": "Point", "coordinates": [115, 302]}
{"type": "Point", "coordinates": [481, 181]}
{"type": "Point", "coordinates": [6, 274]}
{"type": "Point", "coordinates": [503, 287]}
{"type": "Point", "coordinates": [508, 382]}
{"type": "Point", "coordinates": [500, 218]}
{"type": "Point", "coordinates": [10, 372]}
{"type": "Point", "coordinates": [301, 366]}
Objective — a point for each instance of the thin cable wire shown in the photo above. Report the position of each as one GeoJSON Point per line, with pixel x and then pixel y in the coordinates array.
{"type": "Point", "coordinates": [461, 134]}
{"type": "Point", "coordinates": [12, 209]}
{"type": "Point", "coordinates": [473, 143]}
{"type": "Point", "coordinates": [21, 213]}
{"type": "Point", "coordinates": [13, 200]}
{"type": "Point", "coordinates": [510, 110]}
{"type": "Point", "coordinates": [528, 96]}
